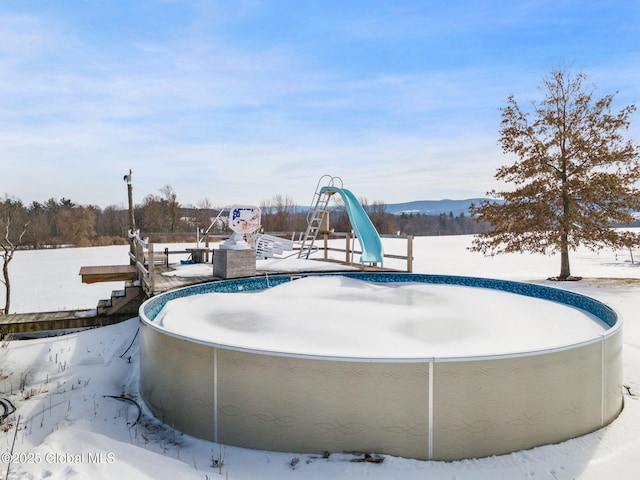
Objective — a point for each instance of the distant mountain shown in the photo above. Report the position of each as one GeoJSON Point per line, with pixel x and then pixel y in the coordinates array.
{"type": "Point", "coordinates": [432, 207]}
{"type": "Point", "coordinates": [425, 207]}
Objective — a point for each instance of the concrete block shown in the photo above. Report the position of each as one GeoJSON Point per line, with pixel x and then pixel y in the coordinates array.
{"type": "Point", "coordinates": [234, 263]}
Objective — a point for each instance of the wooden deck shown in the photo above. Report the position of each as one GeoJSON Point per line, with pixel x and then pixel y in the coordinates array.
{"type": "Point", "coordinates": [164, 283]}
{"type": "Point", "coordinates": [24, 323]}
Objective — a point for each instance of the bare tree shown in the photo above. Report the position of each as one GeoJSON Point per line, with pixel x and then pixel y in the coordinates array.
{"type": "Point", "coordinates": [203, 214]}
{"type": "Point", "coordinates": [76, 225]}
{"type": "Point", "coordinates": [173, 207]}
{"type": "Point", "coordinates": [281, 211]}
{"type": "Point", "coordinates": [39, 226]}
{"type": "Point", "coordinates": [112, 221]}
{"type": "Point", "coordinates": [13, 224]}
{"type": "Point", "coordinates": [383, 221]}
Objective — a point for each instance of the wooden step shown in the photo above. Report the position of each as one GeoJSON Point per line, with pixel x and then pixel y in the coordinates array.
{"type": "Point", "coordinates": [121, 301]}
{"type": "Point", "coordinates": [108, 273]}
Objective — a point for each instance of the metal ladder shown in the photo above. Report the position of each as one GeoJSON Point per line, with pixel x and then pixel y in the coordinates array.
{"type": "Point", "coordinates": [316, 214]}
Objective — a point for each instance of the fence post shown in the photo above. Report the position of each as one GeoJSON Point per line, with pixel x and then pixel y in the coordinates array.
{"type": "Point", "coordinates": [410, 253]}
{"type": "Point", "coordinates": [150, 268]}
{"type": "Point", "coordinates": [139, 260]}
{"type": "Point", "coordinates": [326, 245]}
{"type": "Point", "coordinates": [348, 248]}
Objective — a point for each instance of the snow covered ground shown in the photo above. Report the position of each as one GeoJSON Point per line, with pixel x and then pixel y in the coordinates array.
{"type": "Point", "coordinates": [74, 423]}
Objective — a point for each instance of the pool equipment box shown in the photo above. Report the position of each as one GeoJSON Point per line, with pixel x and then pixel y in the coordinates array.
{"type": "Point", "coordinates": [234, 263]}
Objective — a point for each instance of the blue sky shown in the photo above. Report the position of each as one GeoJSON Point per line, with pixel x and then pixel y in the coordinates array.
{"type": "Point", "coordinates": [238, 101]}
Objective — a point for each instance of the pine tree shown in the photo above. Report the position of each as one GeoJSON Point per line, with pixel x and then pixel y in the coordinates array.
{"type": "Point", "coordinates": [575, 175]}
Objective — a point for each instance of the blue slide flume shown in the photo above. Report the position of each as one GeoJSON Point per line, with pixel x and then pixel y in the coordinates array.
{"type": "Point", "coordinates": [370, 243]}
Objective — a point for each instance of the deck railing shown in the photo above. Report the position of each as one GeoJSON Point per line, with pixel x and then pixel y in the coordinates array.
{"type": "Point", "coordinates": [146, 258]}
{"type": "Point", "coordinates": [350, 252]}
{"type": "Point", "coordinates": [142, 256]}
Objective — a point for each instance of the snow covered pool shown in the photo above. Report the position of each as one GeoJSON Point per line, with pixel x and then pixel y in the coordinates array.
{"type": "Point", "coordinates": [421, 366]}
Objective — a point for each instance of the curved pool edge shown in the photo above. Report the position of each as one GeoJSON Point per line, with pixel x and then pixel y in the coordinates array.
{"type": "Point", "coordinates": [150, 309]}
{"type": "Point", "coordinates": [424, 408]}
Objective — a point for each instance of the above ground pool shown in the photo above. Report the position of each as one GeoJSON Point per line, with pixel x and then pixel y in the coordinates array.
{"type": "Point", "coordinates": [424, 366]}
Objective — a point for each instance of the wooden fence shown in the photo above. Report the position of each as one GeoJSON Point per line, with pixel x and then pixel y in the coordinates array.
{"type": "Point", "coordinates": [350, 251]}
{"type": "Point", "coordinates": [146, 257]}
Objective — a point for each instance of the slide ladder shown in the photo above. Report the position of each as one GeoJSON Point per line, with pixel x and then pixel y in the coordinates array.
{"type": "Point", "coordinates": [316, 214]}
{"type": "Point", "coordinates": [368, 237]}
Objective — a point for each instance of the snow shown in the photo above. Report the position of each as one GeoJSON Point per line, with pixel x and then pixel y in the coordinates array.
{"type": "Point", "coordinates": [72, 427]}
{"type": "Point", "coordinates": [49, 280]}
{"type": "Point", "coordinates": [271, 265]}
{"type": "Point", "coordinates": [407, 320]}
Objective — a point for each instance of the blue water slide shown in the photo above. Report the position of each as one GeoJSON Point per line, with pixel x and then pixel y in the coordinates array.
{"type": "Point", "coordinates": [370, 242]}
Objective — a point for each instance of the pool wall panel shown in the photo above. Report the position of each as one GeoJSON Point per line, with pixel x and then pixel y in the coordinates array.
{"type": "Point", "coordinates": [283, 403]}
{"type": "Point", "coordinates": [517, 403]}
{"type": "Point", "coordinates": [177, 382]}
{"type": "Point", "coordinates": [612, 384]}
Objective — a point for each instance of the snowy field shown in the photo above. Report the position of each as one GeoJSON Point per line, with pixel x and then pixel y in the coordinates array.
{"type": "Point", "coordinates": [73, 425]}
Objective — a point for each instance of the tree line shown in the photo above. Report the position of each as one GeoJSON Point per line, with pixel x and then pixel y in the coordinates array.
{"type": "Point", "coordinates": [62, 222]}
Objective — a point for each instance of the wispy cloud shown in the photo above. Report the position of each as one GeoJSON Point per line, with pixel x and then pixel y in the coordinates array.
{"type": "Point", "coordinates": [401, 99]}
